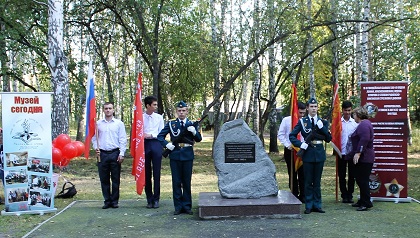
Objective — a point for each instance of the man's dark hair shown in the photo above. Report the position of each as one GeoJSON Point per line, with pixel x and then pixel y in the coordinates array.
{"type": "Point", "coordinates": [149, 100]}
{"type": "Point", "coordinates": [346, 104]}
{"type": "Point", "coordinates": [301, 105]}
{"type": "Point", "coordinates": [108, 103]}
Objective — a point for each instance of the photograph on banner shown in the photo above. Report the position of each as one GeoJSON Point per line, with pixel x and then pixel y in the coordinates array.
{"type": "Point", "coordinates": [40, 183]}
{"type": "Point", "coordinates": [40, 165]}
{"type": "Point", "coordinates": [39, 199]}
{"type": "Point", "coordinates": [15, 176]}
{"type": "Point", "coordinates": [16, 159]}
{"type": "Point", "coordinates": [17, 194]}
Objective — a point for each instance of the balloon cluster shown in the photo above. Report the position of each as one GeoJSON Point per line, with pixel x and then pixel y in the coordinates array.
{"type": "Point", "coordinates": [64, 149]}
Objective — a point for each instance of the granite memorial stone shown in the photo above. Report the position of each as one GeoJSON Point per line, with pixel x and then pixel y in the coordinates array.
{"type": "Point", "coordinates": [243, 167]}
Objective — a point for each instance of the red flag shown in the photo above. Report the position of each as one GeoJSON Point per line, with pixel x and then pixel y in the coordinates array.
{"type": "Point", "coordinates": [336, 124]}
{"type": "Point", "coordinates": [90, 110]}
{"type": "Point", "coordinates": [294, 113]}
{"type": "Point", "coordinates": [137, 140]}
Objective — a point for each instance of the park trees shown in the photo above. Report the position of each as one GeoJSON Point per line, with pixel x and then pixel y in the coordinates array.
{"type": "Point", "coordinates": [231, 58]}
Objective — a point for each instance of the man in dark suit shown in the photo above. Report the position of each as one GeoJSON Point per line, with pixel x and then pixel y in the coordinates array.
{"type": "Point", "coordinates": [314, 156]}
{"type": "Point", "coordinates": [181, 156]}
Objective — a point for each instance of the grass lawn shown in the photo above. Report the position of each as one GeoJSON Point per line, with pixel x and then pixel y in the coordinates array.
{"type": "Point", "coordinates": [386, 219]}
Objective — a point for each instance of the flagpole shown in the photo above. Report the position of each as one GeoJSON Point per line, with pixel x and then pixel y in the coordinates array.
{"type": "Point", "coordinates": [98, 157]}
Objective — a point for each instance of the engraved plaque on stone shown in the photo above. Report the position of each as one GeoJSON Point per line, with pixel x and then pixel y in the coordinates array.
{"type": "Point", "coordinates": [239, 153]}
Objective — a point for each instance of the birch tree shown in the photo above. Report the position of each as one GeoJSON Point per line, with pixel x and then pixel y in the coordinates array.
{"type": "Point", "coordinates": [58, 68]}
{"type": "Point", "coordinates": [365, 39]}
{"type": "Point", "coordinates": [309, 49]}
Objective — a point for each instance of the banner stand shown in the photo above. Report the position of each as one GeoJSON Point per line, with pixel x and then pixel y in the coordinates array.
{"type": "Point", "coordinates": [36, 212]}
{"type": "Point", "coordinates": [29, 183]}
{"type": "Point", "coordinates": [395, 200]}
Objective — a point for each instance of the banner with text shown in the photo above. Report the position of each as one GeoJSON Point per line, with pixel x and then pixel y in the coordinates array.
{"type": "Point", "coordinates": [387, 105]}
{"type": "Point", "coordinates": [27, 153]}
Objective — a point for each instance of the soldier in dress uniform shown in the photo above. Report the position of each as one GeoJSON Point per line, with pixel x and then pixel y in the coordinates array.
{"type": "Point", "coordinates": [181, 157]}
{"type": "Point", "coordinates": [315, 131]}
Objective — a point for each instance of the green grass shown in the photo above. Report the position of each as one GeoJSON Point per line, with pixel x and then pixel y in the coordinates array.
{"type": "Point", "coordinates": [384, 217]}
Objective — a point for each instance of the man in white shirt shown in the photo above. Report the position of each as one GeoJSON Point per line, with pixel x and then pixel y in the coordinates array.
{"type": "Point", "coordinates": [153, 124]}
{"type": "Point", "coordinates": [110, 143]}
{"type": "Point", "coordinates": [348, 127]}
{"type": "Point", "coordinates": [296, 178]}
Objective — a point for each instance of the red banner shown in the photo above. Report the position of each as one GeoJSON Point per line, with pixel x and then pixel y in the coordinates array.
{"type": "Point", "coordinates": [294, 114]}
{"type": "Point", "coordinates": [386, 103]}
{"type": "Point", "coordinates": [336, 125]}
{"type": "Point", "coordinates": [137, 140]}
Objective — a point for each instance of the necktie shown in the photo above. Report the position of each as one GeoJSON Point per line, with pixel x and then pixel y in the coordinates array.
{"type": "Point", "coordinates": [182, 124]}
{"type": "Point", "coordinates": [313, 123]}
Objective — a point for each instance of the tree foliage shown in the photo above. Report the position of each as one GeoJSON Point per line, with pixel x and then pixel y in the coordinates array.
{"type": "Point", "coordinates": [172, 43]}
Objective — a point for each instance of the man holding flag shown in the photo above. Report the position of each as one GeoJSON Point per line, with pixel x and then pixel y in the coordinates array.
{"type": "Point", "coordinates": [296, 176]}
{"type": "Point", "coordinates": [153, 124]}
{"type": "Point", "coordinates": [110, 143]}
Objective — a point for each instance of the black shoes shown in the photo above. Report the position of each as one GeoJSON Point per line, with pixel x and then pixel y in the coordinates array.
{"type": "Point", "coordinates": [347, 200]}
{"type": "Point", "coordinates": [114, 206]}
{"type": "Point", "coordinates": [187, 211]}
{"type": "Point", "coordinates": [318, 210]}
{"type": "Point", "coordinates": [106, 206]}
{"type": "Point", "coordinates": [154, 204]}
{"type": "Point", "coordinates": [308, 211]}
{"type": "Point", "coordinates": [357, 204]}
{"type": "Point", "coordinates": [362, 208]}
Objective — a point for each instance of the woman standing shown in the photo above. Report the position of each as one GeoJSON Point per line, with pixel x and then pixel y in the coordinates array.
{"type": "Point", "coordinates": [363, 156]}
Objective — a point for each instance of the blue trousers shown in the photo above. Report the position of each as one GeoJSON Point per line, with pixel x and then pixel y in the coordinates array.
{"type": "Point", "coordinates": [153, 164]}
{"type": "Point", "coordinates": [181, 184]}
{"type": "Point", "coordinates": [109, 170]}
{"type": "Point", "coordinates": [313, 173]}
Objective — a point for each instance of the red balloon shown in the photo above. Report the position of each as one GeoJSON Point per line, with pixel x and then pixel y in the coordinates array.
{"type": "Point", "coordinates": [54, 141]}
{"type": "Point", "coordinates": [80, 147]}
{"type": "Point", "coordinates": [57, 156]}
{"type": "Point", "coordinates": [62, 140]}
{"type": "Point", "coordinates": [64, 163]}
{"type": "Point", "coordinates": [69, 151]}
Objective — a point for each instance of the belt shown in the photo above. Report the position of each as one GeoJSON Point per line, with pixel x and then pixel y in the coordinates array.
{"type": "Point", "coordinates": [317, 142]}
{"type": "Point", "coordinates": [110, 151]}
{"type": "Point", "coordinates": [182, 145]}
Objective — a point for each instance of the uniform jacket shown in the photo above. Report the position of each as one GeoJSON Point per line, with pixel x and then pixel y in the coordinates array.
{"type": "Point", "coordinates": [315, 152]}
{"type": "Point", "coordinates": [173, 128]}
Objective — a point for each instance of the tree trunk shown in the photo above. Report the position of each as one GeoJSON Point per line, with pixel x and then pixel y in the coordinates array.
{"type": "Point", "coordinates": [216, 72]}
{"type": "Point", "coordinates": [312, 85]}
{"type": "Point", "coordinates": [273, 147]}
{"type": "Point", "coordinates": [256, 72]}
{"type": "Point", "coordinates": [365, 38]}
{"type": "Point", "coordinates": [58, 68]}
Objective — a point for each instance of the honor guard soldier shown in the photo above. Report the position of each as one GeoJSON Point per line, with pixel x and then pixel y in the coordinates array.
{"type": "Point", "coordinates": [315, 131]}
{"type": "Point", "coordinates": [183, 134]}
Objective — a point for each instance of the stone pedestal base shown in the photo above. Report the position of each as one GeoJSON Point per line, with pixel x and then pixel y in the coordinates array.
{"type": "Point", "coordinates": [212, 206]}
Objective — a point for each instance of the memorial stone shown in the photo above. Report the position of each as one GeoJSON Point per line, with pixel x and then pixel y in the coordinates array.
{"type": "Point", "coordinates": [243, 167]}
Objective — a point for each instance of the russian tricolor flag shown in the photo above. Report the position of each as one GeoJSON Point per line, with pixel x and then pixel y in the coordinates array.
{"type": "Point", "coordinates": [90, 110]}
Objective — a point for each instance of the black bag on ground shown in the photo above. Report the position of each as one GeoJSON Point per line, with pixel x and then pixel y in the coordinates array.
{"type": "Point", "coordinates": [67, 192]}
